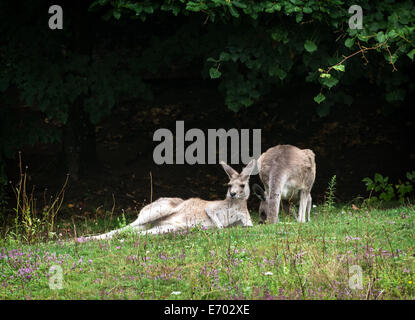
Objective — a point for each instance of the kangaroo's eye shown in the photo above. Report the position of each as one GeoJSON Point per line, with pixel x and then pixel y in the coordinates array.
{"type": "Point", "coordinates": [242, 186]}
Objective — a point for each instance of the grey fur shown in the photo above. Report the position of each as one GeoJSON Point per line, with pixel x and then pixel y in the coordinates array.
{"type": "Point", "coordinates": [288, 173]}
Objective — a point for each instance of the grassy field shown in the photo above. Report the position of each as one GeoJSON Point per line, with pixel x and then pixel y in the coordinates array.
{"type": "Point", "coordinates": [285, 261]}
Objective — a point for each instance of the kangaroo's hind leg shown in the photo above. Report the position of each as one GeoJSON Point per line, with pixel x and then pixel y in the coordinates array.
{"type": "Point", "coordinates": [309, 202]}
{"type": "Point", "coordinates": [274, 207]}
{"type": "Point", "coordinates": [157, 210]}
{"type": "Point", "coordinates": [303, 206]}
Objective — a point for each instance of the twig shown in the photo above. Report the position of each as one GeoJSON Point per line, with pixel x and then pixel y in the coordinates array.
{"type": "Point", "coordinates": [362, 50]}
{"type": "Point", "coordinates": [391, 61]}
{"type": "Point", "coordinates": [207, 17]}
{"type": "Point", "coordinates": [363, 53]}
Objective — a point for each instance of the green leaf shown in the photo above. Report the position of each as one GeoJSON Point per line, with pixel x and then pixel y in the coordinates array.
{"type": "Point", "coordinates": [148, 9]}
{"type": "Point", "coordinates": [329, 82]}
{"type": "Point", "coordinates": [210, 59]}
{"type": "Point", "coordinates": [411, 175]}
{"type": "Point", "coordinates": [395, 95]}
{"type": "Point", "coordinates": [310, 46]}
{"type": "Point", "coordinates": [411, 54]}
{"type": "Point", "coordinates": [246, 101]}
{"type": "Point", "coordinates": [239, 4]}
{"type": "Point", "coordinates": [349, 42]}
{"type": "Point", "coordinates": [176, 10]}
{"type": "Point", "coordinates": [234, 107]}
{"type": "Point", "coordinates": [381, 37]}
{"type": "Point", "coordinates": [392, 34]}
{"type": "Point", "coordinates": [117, 14]}
{"type": "Point", "coordinates": [325, 75]}
{"type": "Point", "coordinates": [378, 177]}
{"type": "Point", "coordinates": [369, 183]}
{"type": "Point", "coordinates": [214, 73]}
{"type": "Point", "coordinates": [224, 56]}
{"type": "Point", "coordinates": [272, 70]}
{"type": "Point", "coordinates": [281, 74]}
{"type": "Point", "coordinates": [234, 12]}
{"type": "Point", "coordinates": [319, 98]}
{"type": "Point", "coordinates": [307, 10]}
{"type": "Point", "coordinates": [339, 67]}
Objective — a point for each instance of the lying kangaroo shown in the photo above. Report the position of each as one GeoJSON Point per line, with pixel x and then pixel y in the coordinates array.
{"type": "Point", "coordinates": [173, 214]}
{"type": "Point", "coordinates": [287, 173]}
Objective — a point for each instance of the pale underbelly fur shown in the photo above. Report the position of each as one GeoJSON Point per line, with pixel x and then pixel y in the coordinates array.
{"type": "Point", "coordinates": [290, 192]}
{"type": "Point", "coordinates": [182, 221]}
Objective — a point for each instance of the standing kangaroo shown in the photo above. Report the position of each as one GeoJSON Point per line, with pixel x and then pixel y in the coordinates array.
{"type": "Point", "coordinates": [173, 214]}
{"type": "Point", "coordinates": [287, 173]}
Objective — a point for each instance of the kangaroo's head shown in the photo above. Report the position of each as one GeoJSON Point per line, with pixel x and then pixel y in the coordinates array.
{"type": "Point", "coordinates": [238, 189]}
{"type": "Point", "coordinates": [263, 206]}
{"type": "Point", "coordinates": [238, 185]}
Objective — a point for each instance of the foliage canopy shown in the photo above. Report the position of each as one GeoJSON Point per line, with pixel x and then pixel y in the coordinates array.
{"type": "Point", "coordinates": [107, 49]}
{"type": "Point", "coordinates": [254, 46]}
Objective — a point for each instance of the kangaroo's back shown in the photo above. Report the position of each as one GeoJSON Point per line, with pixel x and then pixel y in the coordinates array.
{"type": "Point", "coordinates": [287, 173]}
{"type": "Point", "coordinates": [289, 163]}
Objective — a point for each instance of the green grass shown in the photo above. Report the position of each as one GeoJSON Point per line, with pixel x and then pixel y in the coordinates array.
{"type": "Point", "coordinates": [284, 261]}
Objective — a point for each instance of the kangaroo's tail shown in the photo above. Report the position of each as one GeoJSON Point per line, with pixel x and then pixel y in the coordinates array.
{"type": "Point", "coordinates": [135, 226]}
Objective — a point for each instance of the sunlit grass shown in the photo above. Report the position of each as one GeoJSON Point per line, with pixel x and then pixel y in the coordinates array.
{"type": "Point", "coordinates": [285, 261]}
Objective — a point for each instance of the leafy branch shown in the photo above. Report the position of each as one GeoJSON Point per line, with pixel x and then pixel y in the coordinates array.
{"type": "Point", "coordinates": [362, 50]}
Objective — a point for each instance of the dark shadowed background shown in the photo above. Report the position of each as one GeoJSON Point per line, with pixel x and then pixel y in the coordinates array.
{"type": "Point", "coordinates": [87, 99]}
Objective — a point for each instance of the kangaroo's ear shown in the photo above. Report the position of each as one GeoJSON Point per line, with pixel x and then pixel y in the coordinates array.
{"type": "Point", "coordinates": [259, 192]}
{"type": "Point", "coordinates": [246, 172]}
{"type": "Point", "coordinates": [229, 171]}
